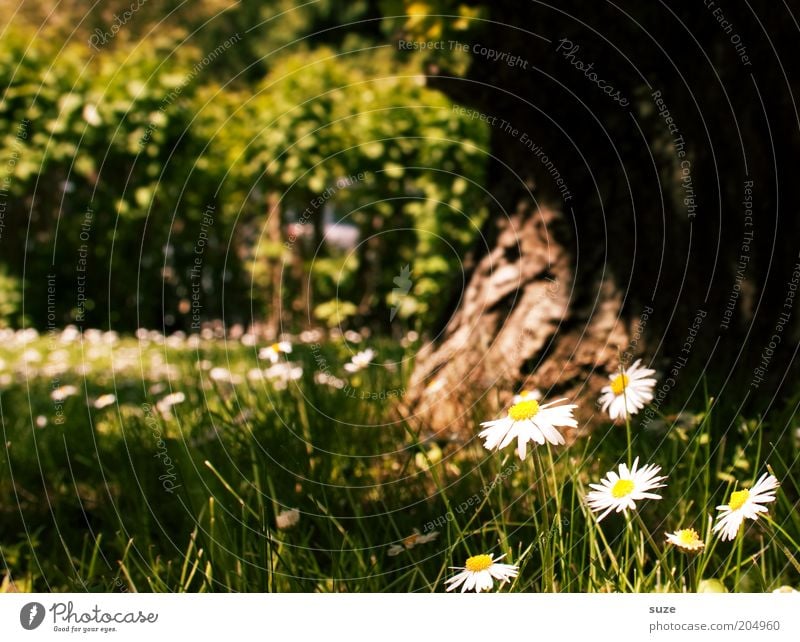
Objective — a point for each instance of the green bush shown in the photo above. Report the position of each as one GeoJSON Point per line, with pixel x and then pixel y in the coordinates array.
{"type": "Point", "coordinates": [10, 299]}
{"type": "Point", "coordinates": [143, 183]}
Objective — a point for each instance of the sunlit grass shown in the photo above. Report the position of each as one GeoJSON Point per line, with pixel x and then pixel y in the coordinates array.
{"type": "Point", "coordinates": [138, 496]}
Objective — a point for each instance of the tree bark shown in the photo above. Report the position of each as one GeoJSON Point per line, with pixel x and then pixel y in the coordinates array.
{"type": "Point", "coordinates": [619, 229]}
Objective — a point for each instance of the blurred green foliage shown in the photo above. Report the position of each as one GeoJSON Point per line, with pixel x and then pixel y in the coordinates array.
{"type": "Point", "coordinates": [130, 163]}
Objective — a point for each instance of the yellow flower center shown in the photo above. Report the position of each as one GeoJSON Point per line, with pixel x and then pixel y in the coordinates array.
{"type": "Point", "coordinates": [524, 410]}
{"type": "Point", "coordinates": [738, 499]}
{"type": "Point", "coordinates": [688, 536]}
{"type": "Point", "coordinates": [276, 347]}
{"type": "Point", "coordinates": [478, 563]}
{"type": "Point", "coordinates": [410, 541]}
{"type": "Point", "coordinates": [622, 488]}
{"type": "Point", "coordinates": [619, 383]}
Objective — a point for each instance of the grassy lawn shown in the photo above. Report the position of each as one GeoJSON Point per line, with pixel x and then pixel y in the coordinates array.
{"type": "Point", "coordinates": [189, 479]}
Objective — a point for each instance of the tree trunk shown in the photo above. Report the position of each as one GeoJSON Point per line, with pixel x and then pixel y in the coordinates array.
{"type": "Point", "coordinates": [654, 218]}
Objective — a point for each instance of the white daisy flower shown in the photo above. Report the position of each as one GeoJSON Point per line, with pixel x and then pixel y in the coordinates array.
{"type": "Point", "coordinates": [745, 503]}
{"type": "Point", "coordinates": [529, 421]}
{"type": "Point", "coordinates": [480, 572]}
{"type": "Point", "coordinates": [415, 539]}
{"type": "Point", "coordinates": [255, 374]}
{"type": "Point", "coordinates": [527, 395]}
{"type": "Point", "coordinates": [630, 391]}
{"type": "Point", "coordinates": [224, 375]}
{"type": "Point", "coordinates": [327, 379]}
{"type": "Point", "coordinates": [62, 393]}
{"type": "Point", "coordinates": [360, 360]}
{"type": "Point", "coordinates": [282, 373]}
{"type": "Point", "coordinates": [170, 400]}
{"type": "Point", "coordinates": [686, 539]}
{"type": "Point", "coordinates": [91, 115]}
{"type": "Point", "coordinates": [273, 352]}
{"type": "Point", "coordinates": [619, 492]}
{"type": "Point", "coordinates": [104, 401]}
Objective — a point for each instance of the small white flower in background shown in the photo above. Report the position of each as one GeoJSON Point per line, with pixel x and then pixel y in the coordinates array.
{"type": "Point", "coordinates": [785, 589]}
{"type": "Point", "coordinates": [529, 421]}
{"type": "Point", "coordinates": [686, 539]}
{"type": "Point", "coordinates": [325, 379]}
{"type": "Point", "coordinates": [176, 340]}
{"type": "Point", "coordinates": [273, 352]}
{"type": "Point", "coordinates": [31, 356]}
{"type": "Point", "coordinates": [360, 360]}
{"type": "Point", "coordinates": [69, 334]}
{"type": "Point", "coordinates": [248, 339]}
{"type": "Point", "coordinates": [59, 394]}
{"type": "Point", "coordinates": [745, 503]}
{"type": "Point", "coordinates": [91, 115]}
{"type": "Point", "coordinates": [41, 421]}
{"type": "Point", "coordinates": [352, 336]}
{"type": "Point", "coordinates": [287, 518]}
{"type": "Point", "coordinates": [310, 336]}
{"type": "Point", "coordinates": [629, 390]}
{"type": "Point", "coordinates": [255, 374]}
{"type": "Point", "coordinates": [62, 356]}
{"type": "Point", "coordinates": [415, 539]}
{"type": "Point", "coordinates": [282, 373]}
{"type": "Point", "coordinates": [527, 395]}
{"type": "Point", "coordinates": [27, 335]}
{"type": "Point", "coordinates": [170, 400]}
{"type": "Point", "coordinates": [103, 401]}
{"type": "Point", "coordinates": [223, 374]}
{"type": "Point", "coordinates": [620, 492]}
{"type": "Point", "coordinates": [54, 370]}
{"type": "Point", "coordinates": [480, 572]}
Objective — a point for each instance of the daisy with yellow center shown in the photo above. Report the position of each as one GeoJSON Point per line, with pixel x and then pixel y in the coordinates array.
{"type": "Point", "coordinates": [628, 391]}
{"type": "Point", "coordinates": [745, 503]}
{"type": "Point", "coordinates": [273, 352]}
{"type": "Point", "coordinates": [527, 421]}
{"type": "Point", "coordinates": [686, 539]}
{"type": "Point", "coordinates": [620, 491]}
{"type": "Point", "coordinates": [480, 572]}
